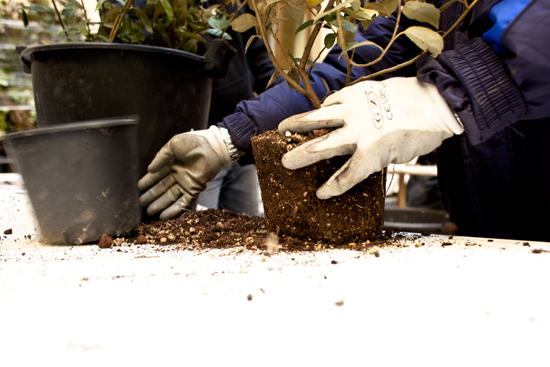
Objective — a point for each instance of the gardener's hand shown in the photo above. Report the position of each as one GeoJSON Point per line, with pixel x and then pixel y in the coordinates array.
{"type": "Point", "coordinates": [379, 123]}
{"type": "Point", "coordinates": [180, 171]}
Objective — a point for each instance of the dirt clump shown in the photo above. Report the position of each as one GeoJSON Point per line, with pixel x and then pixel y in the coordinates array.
{"type": "Point", "coordinates": [105, 241]}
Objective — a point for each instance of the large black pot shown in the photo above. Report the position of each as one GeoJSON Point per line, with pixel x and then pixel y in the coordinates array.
{"type": "Point", "coordinates": [170, 90]}
{"type": "Point", "coordinates": [81, 178]}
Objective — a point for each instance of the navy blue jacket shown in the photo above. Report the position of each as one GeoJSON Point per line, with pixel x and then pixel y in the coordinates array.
{"type": "Point", "coordinates": [495, 73]}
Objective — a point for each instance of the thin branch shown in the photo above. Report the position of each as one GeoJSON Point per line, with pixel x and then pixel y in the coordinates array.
{"type": "Point", "coordinates": [392, 40]}
{"type": "Point", "coordinates": [59, 18]}
{"type": "Point", "coordinates": [235, 14]}
{"type": "Point", "coordinates": [261, 26]}
{"type": "Point", "coordinates": [86, 19]}
{"type": "Point", "coordinates": [313, 35]}
{"type": "Point", "coordinates": [118, 21]}
{"type": "Point", "coordinates": [413, 60]}
{"type": "Point", "coordinates": [342, 42]}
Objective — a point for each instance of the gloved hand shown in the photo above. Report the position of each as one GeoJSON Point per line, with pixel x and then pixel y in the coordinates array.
{"type": "Point", "coordinates": [379, 123]}
{"type": "Point", "coordinates": [180, 171]}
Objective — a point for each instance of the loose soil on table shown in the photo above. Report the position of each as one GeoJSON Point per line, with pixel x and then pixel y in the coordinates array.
{"type": "Point", "coordinates": [222, 229]}
{"type": "Point", "coordinates": [290, 203]}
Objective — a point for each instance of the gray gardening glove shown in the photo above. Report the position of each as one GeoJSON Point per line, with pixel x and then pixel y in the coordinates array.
{"type": "Point", "coordinates": [181, 169]}
{"type": "Point", "coordinates": [377, 123]}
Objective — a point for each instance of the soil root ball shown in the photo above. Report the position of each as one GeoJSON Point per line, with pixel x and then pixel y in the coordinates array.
{"type": "Point", "coordinates": [290, 203]}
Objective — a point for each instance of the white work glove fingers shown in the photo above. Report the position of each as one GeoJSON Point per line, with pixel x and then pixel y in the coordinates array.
{"type": "Point", "coordinates": [152, 178]}
{"type": "Point", "coordinates": [157, 190]}
{"type": "Point", "coordinates": [172, 203]}
{"type": "Point", "coordinates": [397, 147]}
{"type": "Point", "coordinates": [195, 159]}
{"type": "Point", "coordinates": [326, 117]}
{"type": "Point", "coordinates": [164, 155]}
{"type": "Point", "coordinates": [324, 147]}
{"type": "Point", "coordinates": [177, 207]}
{"type": "Point", "coordinates": [350, 174]}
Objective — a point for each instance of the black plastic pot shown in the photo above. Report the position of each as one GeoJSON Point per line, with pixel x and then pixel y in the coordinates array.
{"type": "Point", "coordinates": [170, 90]}
{"type": "Point", "coordinates": [81, 178]}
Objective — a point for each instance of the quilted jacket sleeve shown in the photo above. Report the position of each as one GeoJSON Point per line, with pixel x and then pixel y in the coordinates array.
{"type": "Point", "coordinates": [499, 78]}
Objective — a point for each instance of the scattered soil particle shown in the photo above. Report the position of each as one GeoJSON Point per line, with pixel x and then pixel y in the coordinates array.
{"type": "Point", "coordinates": [375, 251]}
{"type": "Point", "coordinates": [249, 297]}
{"type": "Point", "coordinates": [334, 262]}
{"type": "Point", "coordinates": [141, 240]}
{"type": "Point", "coordinates": [339, 303]}
{"type": "Point", "coordinates": [222, 229]}
{"type": "Point", "coordinates": [526, 244]}
{"type": "Point", "coordinates": [8, 231]}
{"type": "Point", "coordinates": [445, 244]}
{"type": "Point", "coordinates": [105, 242]}
{"type": "Point", "coordinates": [539, 251]}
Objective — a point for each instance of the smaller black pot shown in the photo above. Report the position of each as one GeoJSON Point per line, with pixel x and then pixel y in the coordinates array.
{"type": "Point", "coordinates": [81, 178]}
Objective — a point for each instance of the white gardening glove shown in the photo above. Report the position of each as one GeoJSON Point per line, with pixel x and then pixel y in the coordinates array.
{"type": "Point", "coordinates": [181, 169]}
{"type": "Point", "coordinates": [379, 123]}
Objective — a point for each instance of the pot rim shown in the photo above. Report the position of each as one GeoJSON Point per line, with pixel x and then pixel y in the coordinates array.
{"type": "Point", "coordinates": [73, 126]}
{"type": "Point", "coordinates": [26, 54]}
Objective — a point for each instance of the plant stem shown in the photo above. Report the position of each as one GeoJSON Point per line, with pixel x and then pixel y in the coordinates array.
{"type": "Point", "coordinates": [118, 21]}
{"type": "Point", "coordinates": [60, 19]}
{"type": "Point", "coordinates": [392, 40]}
{"type": "Point", "coordinates": [86, 19]}
{"type": "Point", "coordinates": [278, 67]}
{"type": "Point", "coordinates": [413, 60]}
{"type": "Point", "coordinates": [342, 42]}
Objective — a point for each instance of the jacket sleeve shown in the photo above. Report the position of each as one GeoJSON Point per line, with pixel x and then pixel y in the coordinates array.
{"type": "Point", "coordinates": [266, 111]}
{"type": "Point", "coordinates": [500, 78]}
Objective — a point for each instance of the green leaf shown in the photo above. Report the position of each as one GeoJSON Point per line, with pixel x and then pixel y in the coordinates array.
{"type": "Point", "coordinates": [391, 5]}
{"type": "Point", "coordinates": [332, 10]}
{"type": "Point", "coordinates": [366, 24]}
{"type": "Point", "coordinates": [219, 33]}
{"type": "Point", "coordinates": [25, 18]}
{"type": "Point", "coordinates": [218, 22]}
{"type": "Point", "coordinates": [146, 22]}
{"type": "Point", "coordinates": [326, 85]}
{"type": "Point", "coordinates": [274, 77]}
{"type": "Point", "coordinates": [447, 5]}
{"type": "Point", "coordinates": [353, 45]}
{"type": "Point", "coordinates": [83, 27]}
{"type": "Point", "coordinates": [39, 9]}
{"type": "Point", "coordinates": [426, 39]}
{"type": "Point", "coordinates": [102, 38]}
{"type": "Point", "coordinates": [244, 22]}
{"type": "Point", "coordinates": [99, 3]}
{"type": "Point", "coordinates": [303, 26]}
{"type": "Point", "coordinates": [362, 14]}
{"type": "Point", "coordinates": [169, 11]}
{"type": "Point", "coordinates": [378, 7]}
{"type": "Point", "coordinates": [426, 13]}
{"type": "Point", "coordinates": [330, 39]}
{"type": "Point", "coordinates": [249, 42]}
{"type": "Point", "coordinates": [346, 25]}
{"type": "Point", "coordinates": [294, 75]}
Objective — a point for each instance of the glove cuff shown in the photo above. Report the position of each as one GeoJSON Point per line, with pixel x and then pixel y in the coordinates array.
{"type": "Point", "coordinates": [234, 154]}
